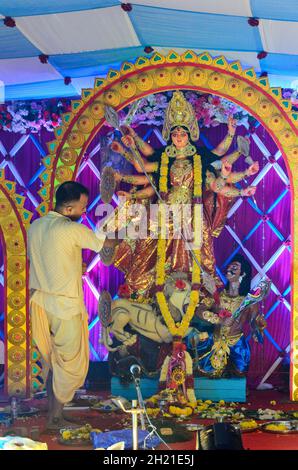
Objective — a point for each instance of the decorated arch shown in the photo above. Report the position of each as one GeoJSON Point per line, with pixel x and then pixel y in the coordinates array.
{"type": "Point", "coordinates": [14, 220]}
{"type": "Point", "coordinates": [188, 71]}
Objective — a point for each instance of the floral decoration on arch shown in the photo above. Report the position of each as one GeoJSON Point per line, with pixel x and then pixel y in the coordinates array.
{"type": "Point", "coordinates": [211, 110]}
{"type": "Point", "coordinates": [31, 116]}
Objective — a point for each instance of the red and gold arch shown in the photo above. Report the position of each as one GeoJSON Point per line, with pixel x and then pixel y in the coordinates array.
{"type": "Point", "coordinates": [13, 222]}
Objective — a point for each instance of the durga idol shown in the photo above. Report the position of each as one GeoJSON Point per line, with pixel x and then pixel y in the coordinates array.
{"type": "Point", "coordinates": [183, 174]}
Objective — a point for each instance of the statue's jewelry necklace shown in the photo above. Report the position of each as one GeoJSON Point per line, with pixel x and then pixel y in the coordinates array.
{"type": "Point", "coordinates": [187, 151]}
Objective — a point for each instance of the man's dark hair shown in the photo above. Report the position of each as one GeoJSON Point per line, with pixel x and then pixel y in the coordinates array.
{"type": "Point", "coordinates": [69, 191]}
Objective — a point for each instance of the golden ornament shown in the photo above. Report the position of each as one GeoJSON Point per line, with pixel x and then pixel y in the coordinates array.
{"type": "Point", "coordinates": [16, 318]}
{"type": "Point", "coordinates": [64, 173]}
{"type": "Point", "coordinates": [180, 76]}
{"type": "Point", "coordinates": [15, 244]}
{"type": "Point", "coordinates": [264, 108]}
{"type": "Point", "coordinates": [276, 122]}
{"type": "Point", "coordinates": [216, 81]}
{"type": "Point", "coordinates": [178, 375]}
{"type": "Point", "coordinates": [16, 264]}
{"type": "Point", "coordinates": [16, 300]}
{"type": "Point", "coordinates": [68, 156]}
{"type": "Point", "coordinates": [85, 124]}
{"type": "Point", "coordinates": [250, 96]}
{"type": "Point", "coordinates": [76, 139]}
{"type": "Point", "coordinates": [293, 152]}
{"type": "Point", "coordinates": [287, 137]}
{"type": "Point", "coordinates": [16, 354]}
{"type": "Point", "coordinates": [180, 112]}
{"type": "Point", "coordinates": [198, 77]}
{"type": "Point", "coordinates": [16, 282]}
{"type": "Point", "coordinates": [145, 82]}
{"type": "Point", "coordinates": [16, 336]}
{"type": "Point", "coordinates": [234, 87]}
{"type": "Point", "coordinates": [16, 373]}
{"type": "Point", "coordinates": [112, 98]}
{"type": "Point", "coordinates": [10, 225]}
{"type": "Point", "coordinates": [5, 207]}
{"type": "Point", "coordinates": [162, 77]}
{"type": "Point", "coordinates": [128, 88]}
{"type": "Point", "coordinates": [17, 389]}
{"type": "Point", "coordinates": [97, 110]}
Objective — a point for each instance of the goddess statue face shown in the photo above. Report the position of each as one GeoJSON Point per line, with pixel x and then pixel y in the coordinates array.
{"type": "Point", "coordinates": [179, 137]}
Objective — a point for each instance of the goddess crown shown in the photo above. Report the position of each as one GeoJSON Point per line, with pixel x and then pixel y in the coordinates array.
{"type": "Point", "coordinates": [180, 112]}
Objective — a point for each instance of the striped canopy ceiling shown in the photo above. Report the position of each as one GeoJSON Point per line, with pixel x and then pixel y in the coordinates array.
{"type": "Point", "coordinates": [84, 38]}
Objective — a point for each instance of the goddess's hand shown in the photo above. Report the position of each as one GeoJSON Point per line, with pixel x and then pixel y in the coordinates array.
{"type": "Point", "coordinates": [232, 124]}
{"type": "Point", "coordinates": [253, 169]}
{"type": "Point", "coordinates": [127, 130]}
{"type": "Point", "coordinates": [128, 141]}
{"type": "Point", "coordinates": [124, 194]}
{"type": "Point", "coordinates": [117, 147]}
{"type": "Point", "coordinates": [249, 191]}
{"type": "Point", "coordinates": [117, 176]}
{"type": "Point", "coordinates": [209, 282]}
{"type": "Point", "coordinates": [226, 168]}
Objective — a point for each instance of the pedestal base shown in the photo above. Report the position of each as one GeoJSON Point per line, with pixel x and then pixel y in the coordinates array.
{"type": "Point", "coordinates": [229, 390]}
{"type": "Point", "coordinates": [233, 389]}
{"type": "Point", "coordinates": [148, 387]}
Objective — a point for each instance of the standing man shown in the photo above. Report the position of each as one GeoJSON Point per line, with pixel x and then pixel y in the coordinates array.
{"type": "Point", "coordinates": [58, 314]}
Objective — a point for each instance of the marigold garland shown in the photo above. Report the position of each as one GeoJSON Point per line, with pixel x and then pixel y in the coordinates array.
{"type": "Point", "coordinates": [177, 330]}
{"type": "Point", "coordinates": [197, 168]}
{"type": "Point", "coordinates": [164, 168]}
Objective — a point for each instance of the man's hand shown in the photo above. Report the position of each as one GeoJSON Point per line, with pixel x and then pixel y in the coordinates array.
{"type": "Point", "coordinates": [111, 243]}
{"type": "Point", "coordinates": [84, 268]}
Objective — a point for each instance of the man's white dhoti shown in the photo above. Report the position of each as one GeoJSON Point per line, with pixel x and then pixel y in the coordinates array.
{"type": "Point", "coordinates": [58, 314]}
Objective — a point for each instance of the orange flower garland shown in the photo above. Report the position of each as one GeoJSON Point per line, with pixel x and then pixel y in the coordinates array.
{"type": "Point", "coordinates": [180, 329]}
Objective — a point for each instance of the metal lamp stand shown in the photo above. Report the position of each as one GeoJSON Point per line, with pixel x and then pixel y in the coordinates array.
{"type": "Point", "coordinates": [134, 411]}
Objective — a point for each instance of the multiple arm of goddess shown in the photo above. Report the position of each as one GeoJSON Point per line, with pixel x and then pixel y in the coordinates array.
{"type": "Point", "coordinates": [225, 144]}
{"type": "Point", "coordinates": [220, 185]}
{"type": "Point", "coordinates": [135, 180]}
